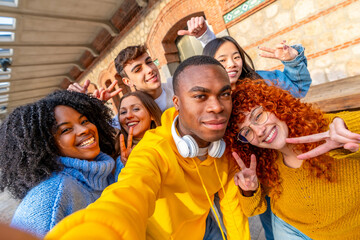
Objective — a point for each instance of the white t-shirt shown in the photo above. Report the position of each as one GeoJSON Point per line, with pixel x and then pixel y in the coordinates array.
{"type": "Point", "coordinates": [164, 101]}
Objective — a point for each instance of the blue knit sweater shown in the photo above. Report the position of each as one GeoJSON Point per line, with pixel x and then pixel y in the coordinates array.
{"type": "Point", "coordinates": [80, 183]}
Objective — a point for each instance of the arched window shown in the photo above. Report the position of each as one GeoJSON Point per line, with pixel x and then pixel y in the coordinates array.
{"type": "Point", "coordinates": [188, 47]}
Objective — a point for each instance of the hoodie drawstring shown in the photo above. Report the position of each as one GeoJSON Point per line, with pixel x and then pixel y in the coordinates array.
{"type": "Point", "coordinates": [222, 187]}
{"type": "Point", "coordinates": [208, 197]}
{"type": "Point", "coordinates": [218, 175]}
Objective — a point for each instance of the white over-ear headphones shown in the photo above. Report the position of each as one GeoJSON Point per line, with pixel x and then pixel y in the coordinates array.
{"type": "Point", "coordinates": [188, 147]}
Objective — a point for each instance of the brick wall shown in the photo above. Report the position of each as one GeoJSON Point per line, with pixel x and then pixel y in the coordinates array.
{"type": "Point", "coordinates": [161, 39]}
{"type": "Point", "coordinates": [329, 30]}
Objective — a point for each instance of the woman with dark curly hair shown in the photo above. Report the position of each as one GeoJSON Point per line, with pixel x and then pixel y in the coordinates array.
{"type": "Point", "coordinates": [315, 198]}
{"type": "Point", "coordinates": [55, 155]}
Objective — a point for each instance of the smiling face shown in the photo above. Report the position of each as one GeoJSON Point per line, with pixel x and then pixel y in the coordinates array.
{"type": "Point", "coordinates": [204, 103]}
{"type": "Point", "coordinates": [228, 55]}
{"type": "Point", "coordinates": [144, 75]}
{"type": "Point", "coordinates": [75, 135]}
{"type": "Point", "coordinates": [133, 113]}
{"type": "Point", "coordinates": [272, 134]}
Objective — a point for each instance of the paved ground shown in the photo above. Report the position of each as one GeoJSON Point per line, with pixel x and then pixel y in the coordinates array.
{"type": "Point", "coordinates": [8, 206]}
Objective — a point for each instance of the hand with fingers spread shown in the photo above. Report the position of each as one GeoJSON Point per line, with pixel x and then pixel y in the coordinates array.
{"type": "Point", "coordinates": [125, 151]}
{"type": "Point", "coordinates": [246, 179]}
{"type": "Point", "coordinates": [281, 52]}
{"type": "Point", "coordinates": [336, 137]}
{"type": "Point", "coordinates": [105, 94]}
{"type": "Point", "coordinates": [75, 87]}
{"type": "Point", "coordinates": [196, 27]}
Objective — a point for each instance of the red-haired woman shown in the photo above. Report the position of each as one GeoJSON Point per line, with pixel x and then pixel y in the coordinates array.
{"type": "Point", "coordinates": [316, 198]}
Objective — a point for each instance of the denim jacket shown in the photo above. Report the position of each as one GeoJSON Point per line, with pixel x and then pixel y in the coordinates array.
{"type": "Point", "coordinates": [295, 78]}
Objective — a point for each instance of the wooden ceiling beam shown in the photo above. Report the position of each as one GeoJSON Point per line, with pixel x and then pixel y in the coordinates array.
{"type": "Point", "coordinates": [101, 23]}
{"type": "Point", "coordinates": [81, 68]}
{"type": "Point", "coordinates": [68, 46]}
{"type": "Point", "coordinates": [42, 77]}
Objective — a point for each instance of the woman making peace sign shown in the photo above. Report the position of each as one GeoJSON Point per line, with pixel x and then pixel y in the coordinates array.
{"type": "Point", "coordinates": [138, 113]}
{"type": "Point", "coordinates": [314, 195]}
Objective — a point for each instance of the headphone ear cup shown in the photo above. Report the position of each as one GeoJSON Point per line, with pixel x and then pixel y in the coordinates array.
{"type": "Point", "coordinates": [213, 149]}
{"type": "Point", "coordinates": [181, 145]}
{"type": "Point", "coordinates": [217, 148]}
{"type": "Point", "coordinates": [222, 148]}
{"type": "Point", "coordinates": [183, 148]}
{"type": "Point", "coordinates": [191, 145]}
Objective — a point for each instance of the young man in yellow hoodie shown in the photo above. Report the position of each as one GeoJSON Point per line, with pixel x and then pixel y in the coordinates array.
{"type": "Point", "coordinates": [167, 188]}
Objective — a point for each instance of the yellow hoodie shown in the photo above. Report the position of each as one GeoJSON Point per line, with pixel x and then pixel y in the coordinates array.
{"type": "Point", "coordinates": [159, 195]}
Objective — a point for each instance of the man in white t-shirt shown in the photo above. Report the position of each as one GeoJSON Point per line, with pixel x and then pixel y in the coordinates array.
{"type": "Point", "coordinates": [138, 70]}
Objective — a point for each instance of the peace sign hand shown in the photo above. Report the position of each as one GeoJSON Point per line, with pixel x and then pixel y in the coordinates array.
{"type": "Point", "coordinates": [246, 179]}
{"type": "Point", "coordinates": [125, 151]}
{"type": "Point", "coordinates": [281, 52]}
{"type": "Point", "coordinates": [105, 94]}
{"type": "Point", "coordinates": [336, 137]}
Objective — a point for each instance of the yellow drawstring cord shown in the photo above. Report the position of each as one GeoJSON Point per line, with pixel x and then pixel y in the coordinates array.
{"type": "Point", "coordinates": [218, 175]}
{"type": "Point", "coordinates": [222, 187]}
{"type": "Point", "coordinates": [207, 195]}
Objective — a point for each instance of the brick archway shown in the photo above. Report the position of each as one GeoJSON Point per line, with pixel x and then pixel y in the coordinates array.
{"type": "Point", "coordinates": [173, 17]}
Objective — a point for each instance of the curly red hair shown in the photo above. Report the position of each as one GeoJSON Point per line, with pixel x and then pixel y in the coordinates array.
{"type": "Point", "coordinates": [301, 118]}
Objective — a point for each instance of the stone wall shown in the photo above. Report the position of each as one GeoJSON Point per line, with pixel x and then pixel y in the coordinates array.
{"type": "Point", "coordinates": [328, 29]}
